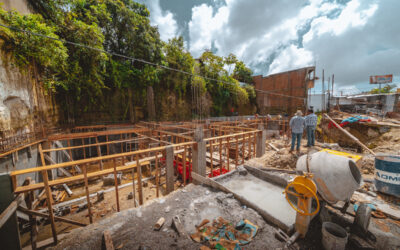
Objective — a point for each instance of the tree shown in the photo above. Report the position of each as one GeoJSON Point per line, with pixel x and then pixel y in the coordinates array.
{"type": "Point", "coordinates": [386, 89]}
{"type": "Point", "coordinates": [242, 73]}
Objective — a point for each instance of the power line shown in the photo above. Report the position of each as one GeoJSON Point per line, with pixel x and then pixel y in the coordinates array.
{"type": "Point", "coordinates": [139, 60]}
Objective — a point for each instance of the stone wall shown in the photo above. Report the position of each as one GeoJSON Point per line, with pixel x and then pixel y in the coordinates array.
{"type": "Point", "coordinates": [25, 105]}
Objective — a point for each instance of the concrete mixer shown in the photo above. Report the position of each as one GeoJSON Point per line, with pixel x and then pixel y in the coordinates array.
{"type": "Point", "coordinates": [327, 178]}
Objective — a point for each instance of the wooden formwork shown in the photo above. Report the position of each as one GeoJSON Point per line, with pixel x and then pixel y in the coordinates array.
{"type": "Point", "coordinates": [128, 148]}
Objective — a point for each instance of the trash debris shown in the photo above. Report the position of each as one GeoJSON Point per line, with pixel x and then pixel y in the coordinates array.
{"type": "Point", "coordinates": [221, 234]}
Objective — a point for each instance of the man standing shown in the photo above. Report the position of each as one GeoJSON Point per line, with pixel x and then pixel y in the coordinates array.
{"type": "Point", "coordinates": [297, 125]}
{"type": "Point", "coordinates": [311, 124]}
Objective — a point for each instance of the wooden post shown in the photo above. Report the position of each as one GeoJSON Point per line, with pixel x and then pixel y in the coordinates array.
{"type": "Point", "coordinates": [237, 151]}
{"type": "Point", "coordinates": [69, 151]}
{"type": "Point", "coordinates": [254, 144]}
{"type": "Point", "coordinates": [184, 165]}
{"type": "Point", "coordinates": [227, 153]}
{"type": "Point", "coordinates": [99, 154]}
{"type": "Point", "coordinates": [133, 185]}
{"type": "Point", "coordinates": [249, 146]}
{"type": "Point", "coordinates": [157, 175]}
{"type": "Point", "coordinates": [122, 146]}
{"type": "Point", "coordinates": [48, 195]}
{"type": "Point", "coordinates": [220, 155]}
{"type": "Point", "coordinates": [139, 175]}
{"type": "Point", "coordinates": [108, 149]}
{"type": "Point", "coordinates": [211, 157]}
{"type": "Point", "coordinates": [32, 218]}
{"type": "Point", "coordinates": [243, 147]}
{"type": "Point", "coordinates": [87, 193]}
{"type": "Point", "coordinates": [116, 183]}
{"type": "Point", "coordinates": [84, 148]}
{"type": "Point", "coordinates": [169, 165]}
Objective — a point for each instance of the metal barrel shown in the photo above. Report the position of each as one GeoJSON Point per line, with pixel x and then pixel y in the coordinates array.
{"type": "Point", "coordinates": [387, 174]}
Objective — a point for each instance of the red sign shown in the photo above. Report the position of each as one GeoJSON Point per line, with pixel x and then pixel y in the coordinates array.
{"type": "Point", "coordinates": [380, 79]}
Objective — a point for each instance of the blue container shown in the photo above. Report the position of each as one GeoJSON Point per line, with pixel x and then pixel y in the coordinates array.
{"type": "Point", "coordinates": [387, 174]}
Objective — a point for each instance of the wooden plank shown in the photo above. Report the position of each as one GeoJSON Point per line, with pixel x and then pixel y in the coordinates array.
{"type": "Point", "coordinates": [355, 139]}
{"type": "Point", "coordinates": [35, 186]}
{"type": "Point", "coordinates": [20, 148]}
{"type": "Point", "coordinates": [65, 172]}
{"type": "Point", "coordinates": [108, 243]}
{"type": "Point", "coordinates": [58, 137]}
{"type": "Point", "coordinates": [9, 211]}
{"type": "Point", "coordinates": [48, 196]}
{"type": "Point", "coordinates": [57, 218]}
{"type": "Point", "coordinates": [93, 159]}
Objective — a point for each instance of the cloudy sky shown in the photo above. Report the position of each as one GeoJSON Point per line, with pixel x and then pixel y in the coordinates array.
{"type": "Point", "coordinates": [352, 39]}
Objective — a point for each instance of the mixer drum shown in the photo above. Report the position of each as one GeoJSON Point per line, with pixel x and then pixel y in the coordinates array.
{"type": "Point", "coordinates": [336, 177]}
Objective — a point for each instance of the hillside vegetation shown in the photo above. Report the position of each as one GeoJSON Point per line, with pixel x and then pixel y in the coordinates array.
{"type": "Point", "coordinates": [98, 84]}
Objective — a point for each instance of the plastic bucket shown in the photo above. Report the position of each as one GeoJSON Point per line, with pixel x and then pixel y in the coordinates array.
{"type": "Point", "coordinates": [337, 177]}
{"type": "Point", "coordinates": [387, 174]}
{"type": "Point", "coordinates": [334, 237]}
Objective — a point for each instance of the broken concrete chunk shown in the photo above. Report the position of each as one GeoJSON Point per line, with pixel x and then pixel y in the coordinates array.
{"type": "Point", "coordinates": [242, 170]}
{"type": "Point", "coordinates": [100, 196]}
{"type": "Point", "coordinates": [109, 179]}
{"type": "Point", "coordinates": [130, 196]}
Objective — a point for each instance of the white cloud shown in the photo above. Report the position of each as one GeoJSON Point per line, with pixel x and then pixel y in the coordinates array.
{"type": "Point", "coordinates": [165, 20]}
{"type": "Point", "coordinates": [204, 26]}
{"type": "Point", "coordinates": [291, 58]}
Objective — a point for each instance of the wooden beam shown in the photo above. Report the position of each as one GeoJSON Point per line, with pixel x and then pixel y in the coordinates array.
{"type": "Point", "coordinates": [6, 214]}
{"type": "Point", "coordinates": [355, 139]}
{"type": "Point", "coordinates": [58, 137]}
{"type": "Point", "coordinates": [20, 148]}
{"type": "Point", "coordinates": [93, 159]}
{"type": "Point", "coordinates": [57, 218]}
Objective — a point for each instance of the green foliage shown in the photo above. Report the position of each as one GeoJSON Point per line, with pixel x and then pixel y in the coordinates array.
{"type": "Point", "coordinates": [49, 55]}
{"type": "Point", "coordinates": [386, 89]}
{"type": "Point", "coordinates": [242, 73]}
{"type": "Point", "coordinates": [176, 57]}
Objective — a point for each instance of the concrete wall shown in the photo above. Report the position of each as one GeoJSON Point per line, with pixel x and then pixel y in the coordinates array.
{"type": "Point", "coordinates": [24, 162]}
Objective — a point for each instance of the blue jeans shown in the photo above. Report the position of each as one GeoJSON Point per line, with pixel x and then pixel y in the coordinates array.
{"type": "Point", "coordinates": [310, 136]}
{"type": "Point", "coordinates": [294, 137]}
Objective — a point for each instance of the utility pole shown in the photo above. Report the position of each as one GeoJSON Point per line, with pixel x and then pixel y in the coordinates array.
{"type": "Point", "coordinates": [323, 92]}
{"type": "Point", "coordinates": [328, 108]}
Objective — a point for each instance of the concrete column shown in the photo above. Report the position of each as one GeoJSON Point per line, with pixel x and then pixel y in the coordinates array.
{"type": "Point", "coordinates": [260, 143]}
{"type": "Point", "coordinates": [199, 153]}
{"type": "Point", "coordinates": [169, 162]}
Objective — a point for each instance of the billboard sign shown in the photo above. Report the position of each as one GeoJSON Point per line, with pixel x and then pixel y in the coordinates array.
{"type": "Point", "coordinates": [380, 79]}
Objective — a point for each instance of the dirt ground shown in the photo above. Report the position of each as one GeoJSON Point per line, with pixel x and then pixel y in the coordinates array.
{"type": "Point", "coordinates": [386, 143]}
{"type": "Point", "coordinates": [133, 228]}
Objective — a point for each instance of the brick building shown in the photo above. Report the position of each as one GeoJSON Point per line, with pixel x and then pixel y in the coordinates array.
{"type": "Point", "coordinates": [284, 92]}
